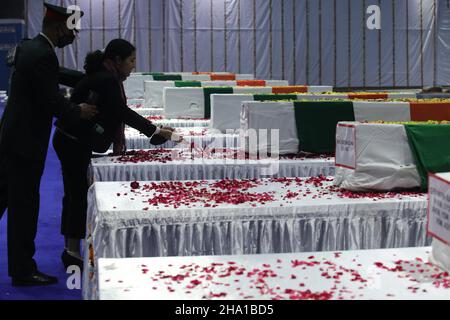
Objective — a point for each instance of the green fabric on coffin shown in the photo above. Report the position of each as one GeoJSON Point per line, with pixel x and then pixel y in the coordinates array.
{"type": "Point", "coordinates": [430, 145]}
{"type": "Point", "coordinates": [208, 91]}
{"type": "Point", "coordinates": [153, 74]}
{"type": "Point", "coordinates": [187, 84]}
{"type": "Point", "coordinates": [274, 97]}
{"type": "Point", "coordinates": [317, 121]}
{"type": "Point", "coordinates": [168, 77]}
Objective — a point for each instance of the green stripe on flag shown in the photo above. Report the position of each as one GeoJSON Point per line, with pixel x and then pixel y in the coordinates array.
{"type": "Point", "coordinates": [168, 77]}
{"type": "Point", "coordinates": [317, 121]}
{"type": "Point", "coordinates": [274, 97]}
{"type": "Point", "coordinates": [208, 91]}
{"type": "Point", "coordinates": [185, 84]}
{"type": "Point", "coordinates": [430, 145]}
{"type": "Point", "coordinates": [153, 74]}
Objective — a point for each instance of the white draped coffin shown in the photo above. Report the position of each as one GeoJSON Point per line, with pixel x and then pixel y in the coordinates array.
{"type": "Point", "coordinates": [383, 159]}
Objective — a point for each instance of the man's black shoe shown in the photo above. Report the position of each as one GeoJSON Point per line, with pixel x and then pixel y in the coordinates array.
{"type": "Point", "coordinates": [34, 279]}
{"type": "Point", "coordinates": [69, 260]}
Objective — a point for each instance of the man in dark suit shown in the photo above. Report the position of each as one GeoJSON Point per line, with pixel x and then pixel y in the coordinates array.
{"type": "Point", "coordinates": [25, 131]}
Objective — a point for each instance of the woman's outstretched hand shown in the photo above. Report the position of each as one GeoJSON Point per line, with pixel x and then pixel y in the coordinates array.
{"type": "Point", "coordinates": [170, 134]}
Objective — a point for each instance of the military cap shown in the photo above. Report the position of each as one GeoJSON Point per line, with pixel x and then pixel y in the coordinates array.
{"type": "Point", "coordinates": [57, 13]}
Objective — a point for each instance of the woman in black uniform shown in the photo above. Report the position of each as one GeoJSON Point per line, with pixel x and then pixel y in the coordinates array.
{"type": "Point", "coordinates": [105, 73]}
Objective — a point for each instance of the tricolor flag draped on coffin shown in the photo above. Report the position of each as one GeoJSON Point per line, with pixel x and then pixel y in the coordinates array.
{"type": "Point", "coordinates": [311, 125]}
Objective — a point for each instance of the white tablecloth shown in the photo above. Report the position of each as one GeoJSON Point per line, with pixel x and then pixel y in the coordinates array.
{"type": "Point", "coordinates": [201, 137]}
{"type": "Point", "coordinates": [181, 123]}
{"type": "Point", "coordinates": [160, 165]}
{"type": "Point", "coordinates": [303, 215]}
{"type": "Point", "coordinates": [393, 274]}
{"type": "Point", "coordinates": [146, 112]}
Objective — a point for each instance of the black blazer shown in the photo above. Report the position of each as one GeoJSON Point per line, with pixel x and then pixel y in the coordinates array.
{"type": "Point", "coordinates": [33, 101]}
{"type": "Point", "coordinates": [113, 110]}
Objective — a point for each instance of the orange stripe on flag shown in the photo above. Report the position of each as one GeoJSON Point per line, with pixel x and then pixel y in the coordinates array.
{"type": "Point", "coordinates": [290, 89]}
{"type": "Point", "coordinates": [368, 96]}
{"type": "Point", "coordinates": [424, 111]}
{"type": "Point", "coordinates": [251, 83]}
{"type": "Point", "coordinates": [223, 77]}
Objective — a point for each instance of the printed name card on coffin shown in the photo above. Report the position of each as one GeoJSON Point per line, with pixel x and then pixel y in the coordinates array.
{"type": "Point", "coordinates": [439, 218]}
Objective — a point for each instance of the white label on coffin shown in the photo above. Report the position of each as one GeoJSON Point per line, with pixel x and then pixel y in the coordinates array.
{"type": "Point", "coordinates": [184, 103]}
{"type": "Point", "coordinates": [439, 207]}
{"type": "Point", "coordinates": [346, 146]}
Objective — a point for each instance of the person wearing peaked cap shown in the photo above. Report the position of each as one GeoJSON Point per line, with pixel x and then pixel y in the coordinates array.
{"type": "Point", "coordinates": [62, 21]}
{"type": "Point", "coordinates": [25, 131]}
{"type": "Point", "coordinates": [55, 15]}
{"type": "Point", "coordinates": [59, 13]}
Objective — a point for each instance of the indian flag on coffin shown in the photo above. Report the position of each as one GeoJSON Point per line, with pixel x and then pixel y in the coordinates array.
{"type": "Point", "coordinates": [311, 125]}
{"type": "Point", "coordinates": [196, 102]}
{"type": "Point", "coordinates": [154, 89]}
{"type": "Point", "coordinates": [389, 156]}
{"type": "Point", "coordinates": [134, 85]}
{"type": "Point", "coordinates": [226, 108]}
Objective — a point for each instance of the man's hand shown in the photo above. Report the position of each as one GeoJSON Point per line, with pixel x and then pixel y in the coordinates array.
{"type": "Point", "coordinates": [88, 111]}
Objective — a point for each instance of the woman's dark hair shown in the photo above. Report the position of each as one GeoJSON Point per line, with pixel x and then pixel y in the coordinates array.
{"type": "Point", "coordinates": [117, 48]}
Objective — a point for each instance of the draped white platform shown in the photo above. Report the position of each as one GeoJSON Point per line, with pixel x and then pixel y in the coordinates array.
{"type": "Point", "coordinates": [199, 136]}
{"type": "Point", "coordinates": [268, 216]}
{"type": "Point", "coordinates": [176, 164]}
{"type": "Point", "coordinates": [392, 274]}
